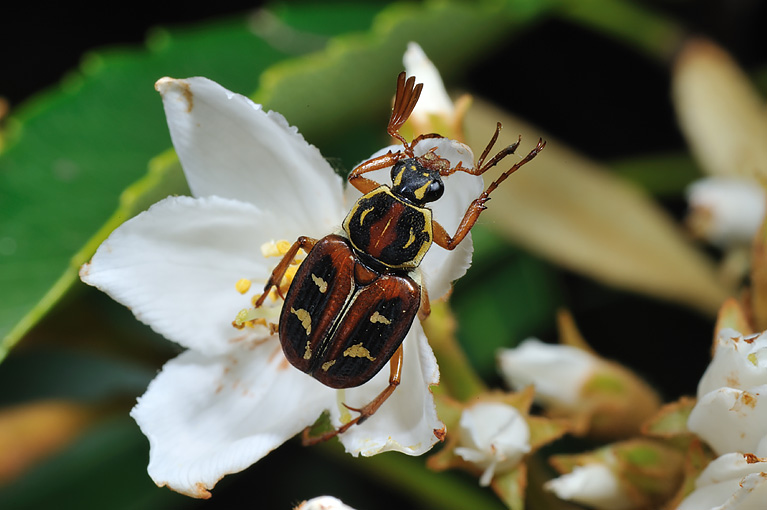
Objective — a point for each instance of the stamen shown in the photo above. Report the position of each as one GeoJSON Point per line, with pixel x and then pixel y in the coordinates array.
{"type": "Point", "coordinates": [346, 416]}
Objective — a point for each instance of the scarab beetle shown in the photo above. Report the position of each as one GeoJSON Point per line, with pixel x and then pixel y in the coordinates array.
{"type": "Point", "coordinates": [356, 294]}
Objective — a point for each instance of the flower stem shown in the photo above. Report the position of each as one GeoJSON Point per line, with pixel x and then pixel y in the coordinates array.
{"type": "Point", "coordinates": [457, 377]}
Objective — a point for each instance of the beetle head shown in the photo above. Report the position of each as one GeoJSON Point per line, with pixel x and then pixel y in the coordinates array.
{"type": "Point", "coordinates": [415, 182]}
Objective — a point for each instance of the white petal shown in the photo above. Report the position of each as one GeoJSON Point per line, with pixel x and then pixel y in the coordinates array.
{"type": "Point", "coordinates": [731, 420]}
{"type": "Point", "coordinates": [726, 210]}
{"type": "Point", "coordinates": [493, 435]}
{"type": "Point", "coordinates": [738, 362]}
{"type": "Point", "coordinates": [434, 98]}
{"type": "Point", "coordinates": [594, 485]}
{"type": "Point", "coordinates": [730, 482]}
{"type": "Point", "coordinates": [175, 266]}
{"type": "Point", "coordinates": [323, 503]}
{"type": "Point", "coordinates": [407, 421]}
{"type": "Point", "coordinates": [558, 372]}
{"type": "Point", "coordinates": [230, 147]}
{"type": "Point", "coordinates": [206, 417]}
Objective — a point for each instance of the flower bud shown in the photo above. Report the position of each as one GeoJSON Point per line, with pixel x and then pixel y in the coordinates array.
{"type": "Point", "coordinates": [633, 474]}
{"type": "Point", "coordinates": [731, 413]}
{"type": "Point", "coordinates": [323, 503]}
{"type": "Point", "coordinates": [725, 211]}
{"type": "Point", "coordinates": [602, 398]}
{"type": "Point", "coordinates": [493, 436]}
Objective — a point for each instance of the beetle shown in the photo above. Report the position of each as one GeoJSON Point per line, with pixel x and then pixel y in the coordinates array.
{"type": "Point", "coordinates": [356, 294]}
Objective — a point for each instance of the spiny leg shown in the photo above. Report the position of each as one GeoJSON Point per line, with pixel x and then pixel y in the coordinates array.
{"type": "Point", "coordinates": [395, 376]}
{"type": "Point", "coordinates": [302, 243]}
{"type": "Point", "coordinates": [443, 239]}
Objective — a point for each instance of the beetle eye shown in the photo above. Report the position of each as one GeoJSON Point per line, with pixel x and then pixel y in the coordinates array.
{"type": "Point", "coordinates": [435, 191]}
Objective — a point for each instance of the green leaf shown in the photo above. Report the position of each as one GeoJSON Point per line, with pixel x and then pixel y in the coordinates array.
{"type": "Point", "coordinates": [506, 296]}
{"type": "Point", "coordinates": [105, 468]}
{"type": "Point", "coordinates": [88, 141]}
{"type": "Point", "coordinates": [72, 151]}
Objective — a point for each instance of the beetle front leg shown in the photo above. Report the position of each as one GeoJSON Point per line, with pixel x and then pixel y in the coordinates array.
{"type": "Point", "coordinates": [302, 243]}
{"type": "Point", "coordinates": [367, 185]}
{"type": "Point", "coordinates": [395, 376]}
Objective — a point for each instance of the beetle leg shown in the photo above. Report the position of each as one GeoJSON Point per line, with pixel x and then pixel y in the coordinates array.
{"type": "Point", "coordinates": [302, 243]}
{"type": "Point", "coordinates": [395, 375]}
{"type": "Point", "coordinates": [367, 185]}
{"type": "Point", "coordinates": [443, 239]}
{"type": "Point", "coordinates": [425, 310]}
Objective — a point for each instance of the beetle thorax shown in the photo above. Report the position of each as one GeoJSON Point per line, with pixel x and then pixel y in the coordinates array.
{"type": "Point", "coordinates": [389, 229]}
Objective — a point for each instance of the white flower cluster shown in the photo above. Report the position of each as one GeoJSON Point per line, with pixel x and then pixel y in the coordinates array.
{"type": "Point", "coordinates": [731, 416]}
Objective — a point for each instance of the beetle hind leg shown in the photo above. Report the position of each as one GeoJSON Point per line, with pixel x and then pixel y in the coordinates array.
{"type": "Point", "coordinates": [395, 375]}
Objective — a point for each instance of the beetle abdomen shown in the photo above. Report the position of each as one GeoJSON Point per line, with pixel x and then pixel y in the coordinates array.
{"type": "Point", "coordinates": [338, 330]}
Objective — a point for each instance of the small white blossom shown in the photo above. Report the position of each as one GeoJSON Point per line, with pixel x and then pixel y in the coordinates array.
{"type": "Point", "coordinates": [731, 412]}
{"type": "Point", "coordinates": [595, 485]}
{"type": "Point", "coordinates": [323, 503]}
{"type": "Point", "coordinates": [184, 267]}
{"type": "Point", "coordinates": [494, 437]}
{"type": "Point", "coordinates": [558, 372]}
{"type": "Point", "coordinates": [733, 481]}
{"type": "Point", "coordinates": [726, 211]}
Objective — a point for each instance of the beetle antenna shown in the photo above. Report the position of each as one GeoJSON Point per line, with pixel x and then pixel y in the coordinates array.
{"type": "Point", "coordinates": [407, 96]}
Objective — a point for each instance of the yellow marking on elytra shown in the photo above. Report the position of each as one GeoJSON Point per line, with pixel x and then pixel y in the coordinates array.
{"type": "Point", "coordinates": [365, 213]}
{"type": "Point", "coordinates": [327, 365]}
{"type": "Point", "coordinates": [420, 192]}
{"type": "Point", "coordinates": [304, 317]}
{"type": "Point", "coordinates": [398, 178]}
{"type": "Point", "coordinates": [410, 240]}
{"type": "Point", "coordinates": [321, 284]}
{"type": "Point", "coordinates": [377, 317]}
{"type": "Point", "coordinates": [308, 351]}
{"type": "Point", "coordinates": [242, 285]}
{"type": "Point", "coordinates": [357, 351]}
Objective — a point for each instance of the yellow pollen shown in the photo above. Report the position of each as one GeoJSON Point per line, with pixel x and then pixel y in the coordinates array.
{"type": "Point", "coordinates": [242, 285]}
{"type": "Point", "coordinates": [753, 359]}
{"type": "Point", "coordinates": [327, 365]}
{"type": "Point", "coordinates": [308, 351]}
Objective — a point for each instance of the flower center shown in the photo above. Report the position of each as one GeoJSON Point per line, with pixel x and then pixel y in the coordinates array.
{"type": "Point", "coordinates": [268, 314]}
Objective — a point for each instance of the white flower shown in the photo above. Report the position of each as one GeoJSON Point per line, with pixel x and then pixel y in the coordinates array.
{"type": "Point", "coordinates": [323, 503]}
{"type": "Point", "coordinates": [734, 481]}
{"type": "Point", "coordinates": [595, 485]}
{"type": "Point", "coordinates": [434, 97]}
{"type": "Point", "coordinates": [232, 397]}
{"type": "Point", "coordinates": [726, 211]}
{"type": "Point", "coordinates": [558, 372]}
{"type": "Point", "coordinates": [731, 412]}
{"type": "Point", "coordinates": [494, 437]}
